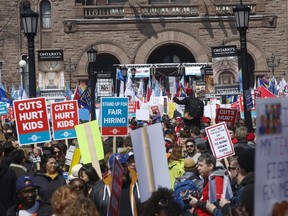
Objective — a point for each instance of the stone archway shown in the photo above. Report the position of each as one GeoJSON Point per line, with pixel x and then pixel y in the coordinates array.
{"type": "Point", "coordinates": [184, 39]}
{"type": "Point", "coordinates": [256, 52]}
{"type": "Point", "coordinates": [102, 47]}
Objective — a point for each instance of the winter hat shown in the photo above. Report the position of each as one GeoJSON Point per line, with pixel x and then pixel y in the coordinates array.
{"type": "Point", "coordinates": [74, 171]}
{"type": "Point", "coordinates": [189, 163]}
{"type": "Point", "coordinates": [246, 159]}
{"type": "Point", "coordinates": [25, 182]}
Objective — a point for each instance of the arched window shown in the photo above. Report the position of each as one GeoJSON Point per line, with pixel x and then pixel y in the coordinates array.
{"type": "Point", "coordinates": [45, 10]}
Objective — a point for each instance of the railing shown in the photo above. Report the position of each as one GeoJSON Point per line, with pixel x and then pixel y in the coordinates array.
{"type": "Point", "coordinates": [119, 11]}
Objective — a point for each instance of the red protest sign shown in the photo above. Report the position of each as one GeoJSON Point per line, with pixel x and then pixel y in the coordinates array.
{"type": "Point", "coordinates": [116, 188]}
{"type": "Point", "coordinates": [155, 109]}
{"type": "Point", "coordinates": [64, 117]}
{"type": "Point", "coordinates": [132, 107]}
{"type": "Point", "coordinates": [226, 115]}
{"type": "Point", "coordinates": [32, 120]}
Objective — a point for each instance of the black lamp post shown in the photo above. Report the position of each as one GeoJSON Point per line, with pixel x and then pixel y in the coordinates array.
{"type": "Point", "coordinates": [133, 72]}
{"type": "Point", "coordinates": [242, 13]}
{"type": "Point", "coordinates": [92, 53]}
{"type": "Point", "coordinates": [273, 62]}
{"type": "Point", "coordinates": [70, 67]}
{"type": "Point", "coordinates": [124, 70]}
{"type": "Point", "coordinates": [30, 20]}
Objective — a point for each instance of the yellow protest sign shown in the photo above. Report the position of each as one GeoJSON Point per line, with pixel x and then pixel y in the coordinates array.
{"type": "Point", "coordinates": [90, 144]}
{"type": "Point", "coordinates": [171, 109]}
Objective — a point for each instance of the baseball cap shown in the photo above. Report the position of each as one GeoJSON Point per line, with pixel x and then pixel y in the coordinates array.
{"type": "Point", "coordinates": [128, 155]}
{"type": "Point", "coordinates": [119, 157]}
{"type": "Point", "coordinates": [74, 171]}
{"type": "Point", "coordinates": [25, 182]}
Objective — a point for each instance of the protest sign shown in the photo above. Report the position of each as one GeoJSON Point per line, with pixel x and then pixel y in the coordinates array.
{"type": "Point", "coordinates": [220, 141]}
{"type": "Point", "coordinates": [90, 144]}
{"type": "Point", "coordinates": [32, 121]}
{"type": "Point", "coordinates": [64, 117]}
{"type": "Point", "coordinates": [132, 108]}
{"type": "Point", "coordinates": [155, 108]}
{"type": "Point", "coordinates": [226, 115]}
{"type": "Point", "coordinates": [114, 116]}
{"type": "Point", "coordinates": [150, 157]}
{"type": "Point", "coordinates": [271, 170]}
{"type": "Point", "coordinates": [142, 114]}
{"type": "Point", "coordinates": [116, 189]}
{"type": "Point", "coordinates": [3, 108]}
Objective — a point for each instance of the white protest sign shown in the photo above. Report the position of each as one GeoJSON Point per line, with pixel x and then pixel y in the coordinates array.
{"type": "Point", "coordinates": [150, 157]}
{"type": "Point", "coordinates": [142, 114]}
{"type": "Point", "coordinates": [220, 141]}
{"type": "Point", "coordinates": [271, 162]}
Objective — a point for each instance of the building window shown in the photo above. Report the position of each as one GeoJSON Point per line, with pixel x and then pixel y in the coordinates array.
{"type": "Point", "coordinates": [170, 1]}
{"type": "Point", "coordinates": [226, 78]}
{"type": "Point", "coordinates": [45, 9]}
{"type": "Point", "coordinates": [117, 1]}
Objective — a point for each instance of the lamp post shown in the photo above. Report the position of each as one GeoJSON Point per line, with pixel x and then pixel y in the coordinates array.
{"type": "Point", "coordinates": [133, 72]}
{"type": "Point", "coordinates": [242, 13]}
{"type": "Point", "coordinates": [30, 20]}
{"type": "Point", "coordinates": [92, 53]}
{"type": "Point", "coordinates": [22, 65]}
{"type": "Point", "coordinates": [70, 67]}
{"type": "Point", "coordinates": [1, 65]}
{"type": "Point", "coordinates": [273, 62]}
{"type": "Point", "coordinates": [124, 70]}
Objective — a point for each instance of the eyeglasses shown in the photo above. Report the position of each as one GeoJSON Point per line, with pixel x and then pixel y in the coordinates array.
{"type": "Point", "coordinates": [232, 168]}
{"type": "Point", "coordinates": [189, 146]}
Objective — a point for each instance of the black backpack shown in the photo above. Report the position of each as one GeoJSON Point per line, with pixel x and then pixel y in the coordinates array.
{"type": "Point", "coordinates": [196, 107]}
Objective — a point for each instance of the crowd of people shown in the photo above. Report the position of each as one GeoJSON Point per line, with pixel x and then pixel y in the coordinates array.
{"type": "Point", "coordinates": [33, 180]}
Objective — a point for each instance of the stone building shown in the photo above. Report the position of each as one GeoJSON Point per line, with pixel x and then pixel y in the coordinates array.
{"type": "Point", "coordinates": [138, 32]}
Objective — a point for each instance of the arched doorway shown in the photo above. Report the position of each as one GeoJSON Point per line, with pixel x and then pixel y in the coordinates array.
{"type": "Point", "coordinates": [105, 69]}
{"type": "Point", "coordinates": [171, 53]}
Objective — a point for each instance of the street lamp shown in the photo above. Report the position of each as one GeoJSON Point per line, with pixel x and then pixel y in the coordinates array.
{"type": "Point", "coordinates": [92, 53]}
{"type": "Point", "coordinates": [133, 72]}
{"type": "Point", "coordinates": [70, 67]}
{"type": "Point", "coordinates": [273, 62]}
{"type": "Point", "coordinates": [1, 64]}
{"type": "Point", "coordinates": [124, 71]}
{"type": "Point", "coordinates": [30, 20]}
{"type": "Point", "coordinates": [22, 65]}
{"type": "Point", "coordinates": [242, 13]}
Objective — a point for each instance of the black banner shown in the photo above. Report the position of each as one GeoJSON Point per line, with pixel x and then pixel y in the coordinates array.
{"type": "Point", "coordinates": [50, 55]}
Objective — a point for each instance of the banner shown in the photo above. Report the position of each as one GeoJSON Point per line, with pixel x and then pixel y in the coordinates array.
{"type": "Point", "coordinates": [32, 121]}
{"type": "Point", "coordinates": [225, 70]}
{"type": "Point", "coordinates": [64, 117]}
{"type": "Point", "coordinates": [226, 115]}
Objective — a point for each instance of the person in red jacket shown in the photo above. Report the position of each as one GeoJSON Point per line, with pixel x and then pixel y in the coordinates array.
{"type": "Point", "coordinates": [207, 169]}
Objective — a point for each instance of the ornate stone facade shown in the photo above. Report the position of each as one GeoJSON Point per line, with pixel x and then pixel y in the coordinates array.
{"type": "Point", "coordinates": [132, 31]}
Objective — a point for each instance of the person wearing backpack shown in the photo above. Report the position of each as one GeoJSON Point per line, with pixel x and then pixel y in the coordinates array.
{"type": "Point", "coordinates": [194, 109]}
{"type": "Point", "coordinates": [188, 183]}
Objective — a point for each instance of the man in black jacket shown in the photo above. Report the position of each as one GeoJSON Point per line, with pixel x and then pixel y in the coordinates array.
{"type": "Point", "coordinates": [193, 109]}
{"type": "Point", "coordinates": [7, 185]}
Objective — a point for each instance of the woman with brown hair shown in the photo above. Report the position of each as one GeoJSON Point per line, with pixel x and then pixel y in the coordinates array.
{"type": "Point", "coordinates": [175, 164]}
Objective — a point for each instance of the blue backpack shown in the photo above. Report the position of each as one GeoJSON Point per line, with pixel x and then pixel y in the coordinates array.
{"type": "Point", "coordinates": [182, 191]}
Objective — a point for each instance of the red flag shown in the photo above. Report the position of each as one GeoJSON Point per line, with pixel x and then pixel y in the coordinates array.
{"type": "Point", "coordinates": [77, 95]}
{"type": "Point", "coordinates": [148, 92]}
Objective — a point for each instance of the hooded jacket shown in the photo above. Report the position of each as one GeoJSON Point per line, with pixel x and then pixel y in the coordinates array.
{"type": "Point", "coordinates": [101, 193]}
{"type": "Point", "coordinates": [176, 169]}
{"type": "Point", "coordinates": [7, 187]}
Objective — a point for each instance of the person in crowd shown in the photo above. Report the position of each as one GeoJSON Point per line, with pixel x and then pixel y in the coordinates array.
{"type": "Point", "coordinates": [161, 203]}
{"type": "Point", "coordinates": [207, 167]}
{"type": "Point", "coordinates": [231, 130]}
{"type": "Point", "coordinates": [191, 150]}
{"type": "Point", "coordinates": [80, 185]}
{"type": "Point", "coordinates": [183, 136]}
{"type": "Point", "coordinates": [8, 148]}
{"type": "Point", "coordinates": [27, 203]}
{"type": "Point", "coordinates": [81, 206]}
{"type": "Point", "coordinates": [241, 134]}
{"type": "Point", "coordinates": [179, 125]}
{"type": "Point", "coordinates": [62, 197]}
{"type": "Point", "coordinates": [88, 173]}
{"type": "Point", "coordinates": [206, 122]}
{"type": "Point", "coordinates": [129, 157]}
{"type": "Point", "coordinates": [156, 117]}
{"type": "Point", "coordinates": [175, 164]}
{"type": "Point", "coordinates": [191, 173]}
{"type": "Point", "coordinates": [7, 185]}
{"type": "Point", "coordinates": [189, 102]}
{"type": "Point", "coordinates": [195, 134]}
{"type": "Point", "coordinates": [14, 141]}
{"type": "Point", "coordinates": [18, 162]}
{"type": "Point", "coordinates": [130, 196]}
{"type": "Point", "coordinates": [50, 179]}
